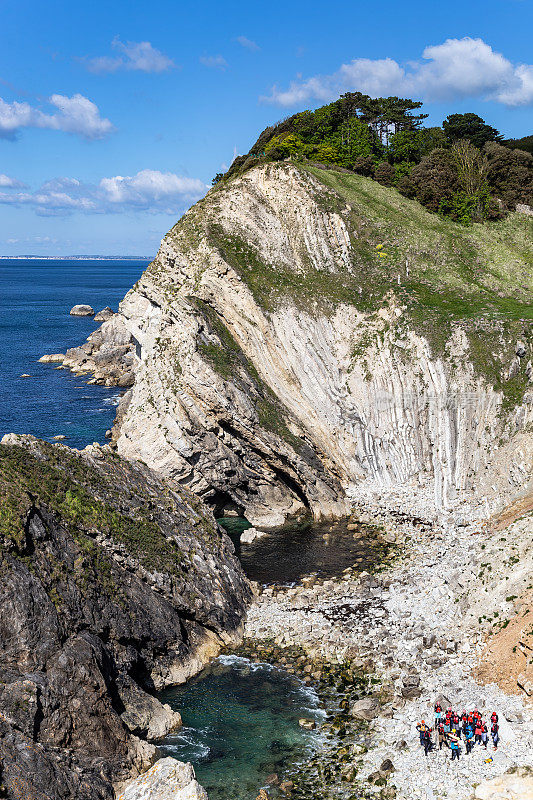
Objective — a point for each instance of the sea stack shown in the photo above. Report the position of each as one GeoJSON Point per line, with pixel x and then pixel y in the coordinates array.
{"type": "Point", "coordinates": [82, 311]}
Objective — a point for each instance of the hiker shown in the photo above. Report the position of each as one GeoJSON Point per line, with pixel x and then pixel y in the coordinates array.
{"type": "Point", "coordinates": [484, 736]}
{"type": "Point", "coordinates": [438, 714]}
{"type": "Point", "coordinates": [426, 741]}
{"type": "Point", "coordinates": [422, 728]}
{"type": "Point", "coordinates": [495, 733]}
{"type": "Point", "coordinates": [454, 745]}
{"type": "Point", "coordinates": [441, 736]}
{"type": "Point", "coordinates": [469, 739]}
{"type": "Point", "coordinates": [494, 717]}
{"type": "Point", "coordinates": [447, 726]}
{"type": "Point", "coordinates": [478, 730]}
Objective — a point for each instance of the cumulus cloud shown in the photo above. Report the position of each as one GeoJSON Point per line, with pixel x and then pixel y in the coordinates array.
{"type": "Point", "coordinates": [6, 182]}
{"type": "Point", "coordinates": [215, 62]}
{"type": "Point", "coordinates": [76, 114]}
{"type": "Point", "coordinates": [140, 56]}
{"type": "Point", "coordinates": [455, 69]}
{"type": "Point", "coordinates": [149, 190]}
{"type": "Point", "coordinates": [249, 44]}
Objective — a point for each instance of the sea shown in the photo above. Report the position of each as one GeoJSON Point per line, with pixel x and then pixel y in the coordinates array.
{"type": "Point", "coordinates": [36, 296]}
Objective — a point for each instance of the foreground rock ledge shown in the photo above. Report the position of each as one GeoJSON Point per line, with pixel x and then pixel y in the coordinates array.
{"type": "Point", "coordinates": [168, 779]}
{"type": "Point", "coordinates": [114, 584]}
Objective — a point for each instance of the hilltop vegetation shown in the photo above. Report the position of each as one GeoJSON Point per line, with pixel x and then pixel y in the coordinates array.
{"type": "Point", "coordinates": [462, 170]}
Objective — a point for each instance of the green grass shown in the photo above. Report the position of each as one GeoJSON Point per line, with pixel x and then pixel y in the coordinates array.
{"type": "Point", "coordinates": [72, 491]}
{"type": "Point", "coordinates": [441, 273]}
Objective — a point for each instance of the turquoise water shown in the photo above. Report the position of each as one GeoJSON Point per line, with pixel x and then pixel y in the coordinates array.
{"type": "Point", "coordinates": [35, 299]}
{"type": "Point", "coordinates": [240, 725]}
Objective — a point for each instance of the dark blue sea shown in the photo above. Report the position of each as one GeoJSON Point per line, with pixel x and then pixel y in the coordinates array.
{"type": "Point", "coordinates": [35, 299]}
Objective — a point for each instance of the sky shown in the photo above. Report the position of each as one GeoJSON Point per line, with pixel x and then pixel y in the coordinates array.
{"type": "Point", "coordinates": [115, 116]}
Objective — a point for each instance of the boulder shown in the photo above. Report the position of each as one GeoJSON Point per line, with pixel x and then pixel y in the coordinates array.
{"type": "Point", "coordinates": [506, 787]}
{"type": "Point", "coordinates": [387, 767]}
{"type": "Point", "coordinates": [168, 779]}
{"type": "Point", "coordinates": [308, 724]}
{"type": "Point", "coordinates": [82, 311]}
{"type": "Point", "coordinates": [443, 701]}
{"type": "Point", "coordinates": [520, 349]}
{"type": "Point", "coordinates": [367, 709]}
{"type": "Point", "coordinates": [103, 315]}
{"type": "Point", "coordinates": [250, 535]}
{"type": "Point", "coordinates": [144, 715]}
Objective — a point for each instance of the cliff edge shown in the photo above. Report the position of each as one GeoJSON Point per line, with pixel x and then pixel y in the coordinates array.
{"type": "Point", "coordinates": [306, 336]}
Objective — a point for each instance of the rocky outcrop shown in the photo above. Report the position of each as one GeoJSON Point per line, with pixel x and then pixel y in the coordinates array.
{"type": "Point", "coordinates": [108, 355]}
{"type": "Point", "coordinates": [292, 347]}
{"type": "Point", "coordinates": [103, 315]}
{"type": "Point", "coordinates": [167, 780]}
{"type": "Point", "coordinates": [113, 585]}
{"type": "Point", "coordinates": [82, 311]}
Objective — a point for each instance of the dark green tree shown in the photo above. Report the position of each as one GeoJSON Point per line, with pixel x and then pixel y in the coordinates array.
{"type": "Point", "coordinates": [471, 127]}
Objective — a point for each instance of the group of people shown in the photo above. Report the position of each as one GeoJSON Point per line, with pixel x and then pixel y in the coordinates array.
{"type": "Point", "coordinates": [450, 727]}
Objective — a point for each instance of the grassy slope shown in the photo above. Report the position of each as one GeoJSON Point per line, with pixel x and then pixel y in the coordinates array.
{"type": "Point", "coordinates": [442, 273]}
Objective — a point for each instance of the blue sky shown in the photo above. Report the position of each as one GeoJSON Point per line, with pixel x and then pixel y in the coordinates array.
{"type": "Point", "coordinates": [114, 116]}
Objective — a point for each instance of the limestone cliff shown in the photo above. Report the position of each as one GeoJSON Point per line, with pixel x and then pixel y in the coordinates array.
{"type": "Point", "coordinates": [304, 336]}
{"type": "Point", "coordinates": [113, 584]}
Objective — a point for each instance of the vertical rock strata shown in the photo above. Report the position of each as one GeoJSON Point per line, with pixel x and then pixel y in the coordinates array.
{"type": "Point", "coordinates": [296, 343]}
{"type": "Point", "coordinates": [113, 584]}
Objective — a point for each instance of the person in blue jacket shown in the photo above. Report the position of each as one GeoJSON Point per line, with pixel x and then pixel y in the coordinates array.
{"type": "Point", "coordinates": [454, 747]}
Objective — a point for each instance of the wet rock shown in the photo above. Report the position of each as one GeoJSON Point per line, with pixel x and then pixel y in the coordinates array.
{"type": "Point", "coordinates": [81, 311]}
{"type": "Point", "coordinates": [286, 787]}
{"type": "Point", "coordinates": [308, 724]}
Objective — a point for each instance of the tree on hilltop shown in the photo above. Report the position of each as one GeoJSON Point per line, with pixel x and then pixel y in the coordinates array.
{"type": "Point", "coordinates": [469, 126]}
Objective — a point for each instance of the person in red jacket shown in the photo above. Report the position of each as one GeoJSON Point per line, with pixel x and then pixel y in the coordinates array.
{"type": "Point", "coordinates": [478, 730]}
{"type": "Point", "coordinates": [494, 717]}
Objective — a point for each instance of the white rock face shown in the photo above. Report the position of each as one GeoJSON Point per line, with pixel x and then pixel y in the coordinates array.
{"type": "Point", "coordinates": [168, 779]}
{"type": "Point", "coordinates": [290, 408]}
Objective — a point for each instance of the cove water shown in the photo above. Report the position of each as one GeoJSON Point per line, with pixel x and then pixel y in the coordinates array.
{"type": "Point", "coordinates": [240, 725]}
{"type": "Point", "coordinates": [35, 299]}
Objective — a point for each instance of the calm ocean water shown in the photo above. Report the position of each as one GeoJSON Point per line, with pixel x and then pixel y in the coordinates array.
{"type": "Point", "coordinates": [35, 300]}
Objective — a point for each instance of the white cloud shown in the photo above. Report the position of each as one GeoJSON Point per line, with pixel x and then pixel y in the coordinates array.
{"type": "Point", "coordinates": [216, 62]}
{"type": "Point", "coordinates": [140, 56]}
{"type": "Point", "coordinates": [10, 183]}
{"type": "Point", "coordinates": [76, 114]}
{"type": "Point", "coordinates": [149, 190]}
{"type": "Point", "coordinates": [249, 44]}
{"type": "Point", "coordinates": [455, 69]}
